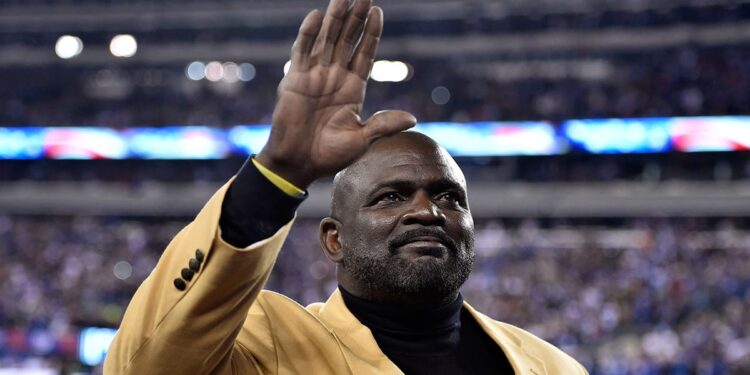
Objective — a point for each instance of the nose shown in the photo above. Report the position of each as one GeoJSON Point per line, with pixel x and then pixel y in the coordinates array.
{"type": "Point", "coordinates": [422, 210]}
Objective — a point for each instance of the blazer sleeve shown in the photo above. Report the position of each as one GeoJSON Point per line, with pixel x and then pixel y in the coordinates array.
{"type": "Point", "coordinates": [191, 326]}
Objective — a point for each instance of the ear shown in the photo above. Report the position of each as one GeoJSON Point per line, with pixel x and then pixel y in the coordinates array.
{"type": "Point", "coordinates": [329, 239]}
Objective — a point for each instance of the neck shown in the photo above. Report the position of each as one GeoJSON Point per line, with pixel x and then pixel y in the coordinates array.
{"type": "Point", "coordinates": [417, 300]}
{"type": "Point", "coordinates": [399, 317]}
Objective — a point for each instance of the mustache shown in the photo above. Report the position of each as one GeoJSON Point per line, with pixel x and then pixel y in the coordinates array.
{"type": "Point", "coordinates": [410, 235]}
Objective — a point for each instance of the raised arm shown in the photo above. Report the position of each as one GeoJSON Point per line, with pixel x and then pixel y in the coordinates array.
{"type": "Point", "coordinates": [186, 315]}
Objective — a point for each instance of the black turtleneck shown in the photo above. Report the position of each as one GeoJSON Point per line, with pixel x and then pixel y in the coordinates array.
{"type": "Point", "coordinates": [430, 340]}
{"type": "Point", "coordinates": [427, 340]}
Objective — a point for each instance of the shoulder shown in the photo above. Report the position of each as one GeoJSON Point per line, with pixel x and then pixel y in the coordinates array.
{"type": "Point", "coordinates": [555, 360]}
{"type": "Point", "coordinates": [543, 349]}
{"type": "Point", "coordinates": [273, 303]}
{"type": "Point", "coordinates": [273, 314]}
{"type": "Point", "coordinates": [282, 310]}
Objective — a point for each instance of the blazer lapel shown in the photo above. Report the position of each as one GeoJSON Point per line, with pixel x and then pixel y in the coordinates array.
{"type": "Point", "coordinates": [364, 356]}
{"type": "Point", "coordinates": [523, 362]}
{"type": "Point", "coordinates": [355, 337]}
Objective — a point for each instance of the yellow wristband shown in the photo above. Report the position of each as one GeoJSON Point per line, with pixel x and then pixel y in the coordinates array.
{"type": "Point", "coordinates": [284, 185]}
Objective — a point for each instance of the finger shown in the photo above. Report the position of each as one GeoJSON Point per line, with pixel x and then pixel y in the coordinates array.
{"type": "Point", "coordinates": [351, 32]}
{"type": "Point", "coordinates": [385, 123]}
{"type": "Point", "coordinates": [364, 55]}
{"type": "Point", "coordinates": [329, 33]}
{"type": "Point", "coordinates": [302, 47]}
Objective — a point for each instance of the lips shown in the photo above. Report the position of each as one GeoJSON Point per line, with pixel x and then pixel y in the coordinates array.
{"type": "Point", "coordinates": [423, 240]}
{"type": "Point", "coordinates": [424, 247]}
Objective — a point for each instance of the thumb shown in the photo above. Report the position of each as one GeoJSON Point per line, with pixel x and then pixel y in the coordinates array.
{"type": "Point", "coordinates": [385, 123]}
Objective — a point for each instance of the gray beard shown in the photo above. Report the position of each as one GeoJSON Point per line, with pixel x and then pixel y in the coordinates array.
{"type": "Point", "coordinates": [390, 274]}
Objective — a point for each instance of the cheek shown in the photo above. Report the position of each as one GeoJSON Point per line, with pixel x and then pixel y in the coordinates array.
{"type": "Point", "coordinates": [369, 231]}
{"type": "Point", "coordinates": [464, 228]}
{"type": "Point", "coordinates": [470, 225]}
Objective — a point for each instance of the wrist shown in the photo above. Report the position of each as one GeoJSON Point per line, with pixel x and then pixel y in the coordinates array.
{"type": "Point", "coordinates": [289, 171]}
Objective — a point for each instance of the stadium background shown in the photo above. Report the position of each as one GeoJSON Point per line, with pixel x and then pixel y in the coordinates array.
{"type": "Point", "coordinates": [624, 240]}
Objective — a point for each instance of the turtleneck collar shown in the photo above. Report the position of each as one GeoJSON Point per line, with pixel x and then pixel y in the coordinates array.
{"type": "Point", "coordinates": [404, 318]}
{"type": "Point", "coordinates": [430, 339]}
{"type": "Point", "coordinates": [412, 328]}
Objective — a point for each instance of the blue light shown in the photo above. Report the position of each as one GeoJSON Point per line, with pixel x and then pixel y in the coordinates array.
{"type": "Point", "coordinates": [619, 136]}
{"type": "Point", "coordinates": [93, 345]}
{"type": "Point", "coordinates": [21, 143]}
{"type": "Point", "coordinates": [249, 140]}
{"type": "Point", "coordinates": [494, 138]}
{"type": "Point", "coordinates": [178, 142]}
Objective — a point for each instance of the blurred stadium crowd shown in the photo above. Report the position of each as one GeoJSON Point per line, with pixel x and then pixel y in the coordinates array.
{"type": "Point", "coordinates": [645, 296]}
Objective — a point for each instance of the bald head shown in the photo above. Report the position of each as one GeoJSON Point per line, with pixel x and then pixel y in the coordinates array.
{"type": "Point", "coordinates": [400, 226]}
{"type": "Point", "coordinates": [393, 151]}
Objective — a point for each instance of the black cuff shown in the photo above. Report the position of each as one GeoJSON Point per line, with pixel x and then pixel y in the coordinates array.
{"type": "Point", "coordinates": [254, 208]}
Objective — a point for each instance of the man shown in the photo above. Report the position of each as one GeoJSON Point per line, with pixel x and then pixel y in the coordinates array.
{"type": "Point", "coordinates": [400, 231]}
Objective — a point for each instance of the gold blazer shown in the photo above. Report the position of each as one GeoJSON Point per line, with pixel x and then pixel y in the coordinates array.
{"type": "Point", "coordinates": [219, 321]}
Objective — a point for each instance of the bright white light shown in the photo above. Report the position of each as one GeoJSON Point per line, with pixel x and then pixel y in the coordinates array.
{"type": "Point", "coordinates": [287, 66]}
{"type": "Point", "coordinates": [441, 95]}
{"type": "Point", "coordinates": [214, 71]}
{"type": "Point", "coordinates": [389, 71]}
{"type": "Point", "coordinates": [247, 72]}
{"type": "Point", "coordinates": [196, 71]}
{"type": "Point", "coordinates": [231, 72]}
{"type": "Point", "coordinates": [123, 45]}
{"type": "Point", "coordinates": [68, 46]}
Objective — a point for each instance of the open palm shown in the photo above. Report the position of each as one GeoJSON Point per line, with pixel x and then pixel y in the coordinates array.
{"type": "Point", "coordinates": [316, 129]}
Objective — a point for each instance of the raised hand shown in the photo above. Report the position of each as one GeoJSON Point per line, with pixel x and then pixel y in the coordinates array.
{"type": "Point", "coordinates": [316, 128]}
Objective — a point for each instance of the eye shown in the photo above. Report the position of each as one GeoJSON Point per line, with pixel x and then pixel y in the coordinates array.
{"type": "Point", "coordinates": [390, 197]}
{"type": "Point", "coordinates": [449, 196]}
{"type": "Point", "coordinates": [387, 199]}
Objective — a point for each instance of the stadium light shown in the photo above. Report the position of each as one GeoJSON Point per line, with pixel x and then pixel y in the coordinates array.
{"type": "Point", "coordinates": [196, 71]}
{"type": "Point", "coordinates": [231, 72]}
{"type": "Point", "coordinates": [247, 72]}
{"type": "Point", "coordinates": [123, 45]}
{"type": "Point", "coordinates": [214, 71]}
{"type": "Point", "coordinates": [68, 47]}
{"type": "Point", "coordinates": [389, 71]}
